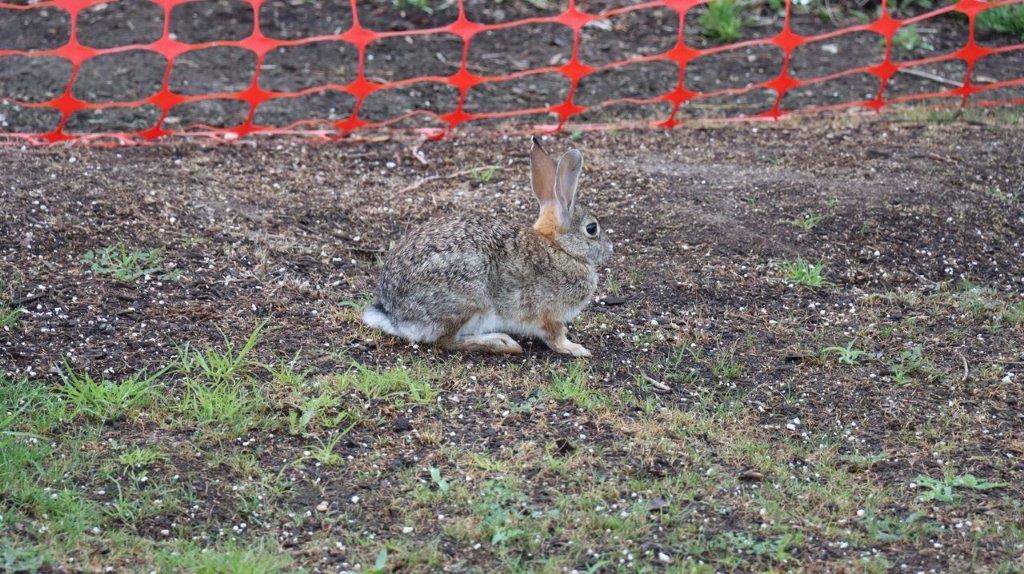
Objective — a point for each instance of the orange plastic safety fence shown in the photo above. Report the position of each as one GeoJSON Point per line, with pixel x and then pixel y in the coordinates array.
{"type": "Point", "coordinates": [962, 91]}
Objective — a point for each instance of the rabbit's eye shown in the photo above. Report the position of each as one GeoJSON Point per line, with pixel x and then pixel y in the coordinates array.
{"type": "Point", "coordinates": [592, 228]}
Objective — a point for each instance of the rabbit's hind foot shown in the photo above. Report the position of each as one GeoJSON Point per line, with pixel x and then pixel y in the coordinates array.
{"type": "Point", "coordinates": [498, 343]}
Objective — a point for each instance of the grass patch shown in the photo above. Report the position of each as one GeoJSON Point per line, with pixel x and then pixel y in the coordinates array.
{"type": "Point", "coordinates": [54, 509]}
{"type": "Point", "coordinates": [945, 489]}
{"type": "Point", "coordinates": [847, 355]}
{"type": "Point", "coordinates": [107, 400]}
{"type": "Point", "coordinates": [727, 369]}
{"type": "Point", "coordinates": [914, 527]}
{"type": "Point", "coordinates": [909, 364]}
{"type": "Point", "coordinates": [220, 364]}
{"type": "Point", "coordinates": [860, 462]}
{"type": "Point", "coordinates": [425, 6]}
{"type": "Point", "coordinates": [997, 193]}
{"type": "Point", "coordinates": [613, 285]}
{"type": "Point", "coordinates": [29, 408]}
{"type": "Point", "coordinates": [260, 557]}
{"type": "Point", "coordinates": [324, 452]}
{"type": "Point", "coordinates": [10, 317]}
{"type": "Point", "coordinates": [220, 391]}
{"type": "Point", "coordinates": [682, 365]}
{"type": "Point", "coordinates": [1002, 20]}
{"type": "Point", "coordinates": [503, 513]}
{"type": "Point", "coordinates": [10, 314]}
{"type": "Point", "coordinates": [986, 302]}
{"type": "Point", "coordinates": [804, 273]}
{"type": "Point", "coordinates": [573, 386]}
{"type": "Point", "coordinates": [136, 500]}
{"type": "Point", "coordinates": [976, 299]}
{"type": "Point", "coordinates": [139, 457]}
{"type": "Point", "coordinates": [357, 305]}
{"type": "Point", "coordinates": [903, 8]}
{"type": "Point", "coordinates": [315, 411]}
{"type": "Point", "coordinates": [230, 406]}
{"type": "Point", "coordinates": [808, 222]}
{"type": "Point", "coordinates": [485, 174]}
{"type": "Point", "coordinates": [735, 544]}
{"type": "Point", "coordinates": [443, 486]}
{"type": "Point", "coordinates": [1012, 314]}
{"type": "Point", "coordinates": [127, 266]}
{"type": "Point", "coordinates": [909, 39]}
{"type": "Point", "coordinates": [723, 21]}
{"type": "Point", "coordinates": [311, 404]}
{"type": "Point", "coordinates": [43, 512]}
{"type": "Point", "coordinates": [396, 385]}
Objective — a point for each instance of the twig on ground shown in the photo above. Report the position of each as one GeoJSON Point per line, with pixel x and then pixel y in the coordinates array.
{"type": "Point", "coordinates": [26, 299]}
{"type": "Point", "coordinates": [421, 182]}
{"type": "Point", "coordinates": [930, 76]}
{"type": "Point", "coordinates": [363, 250]}
{"type": "Point", "coordinates": [418, 154]}
{"type": "Point", "coordinates": [657, 386]}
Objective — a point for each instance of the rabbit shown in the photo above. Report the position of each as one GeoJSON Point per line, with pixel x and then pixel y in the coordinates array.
{"type": "Point", "coordinates": [465, 283]}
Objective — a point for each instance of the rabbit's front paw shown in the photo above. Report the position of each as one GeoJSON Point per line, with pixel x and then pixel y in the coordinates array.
{"type": "Point", "coordinates": [574, 349]}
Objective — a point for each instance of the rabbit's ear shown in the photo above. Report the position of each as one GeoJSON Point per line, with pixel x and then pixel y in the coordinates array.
{"type": "Point", "coordinates": [542, 174]}
{"type": "Point", "coordinates": [567, 178]}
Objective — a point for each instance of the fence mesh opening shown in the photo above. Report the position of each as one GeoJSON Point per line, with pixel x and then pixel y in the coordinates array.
{"type": "Point", "coordinates": [137, 70]}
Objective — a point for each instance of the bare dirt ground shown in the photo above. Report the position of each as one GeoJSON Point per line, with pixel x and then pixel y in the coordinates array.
{"type": "Point", "coordinates": [745, 409]}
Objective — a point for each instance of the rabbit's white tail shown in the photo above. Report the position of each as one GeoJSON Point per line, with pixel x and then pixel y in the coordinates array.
{"type": "Point", "coordinates": [417, 331]}
{"type": "Point", "coordinates": [375, 317]}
